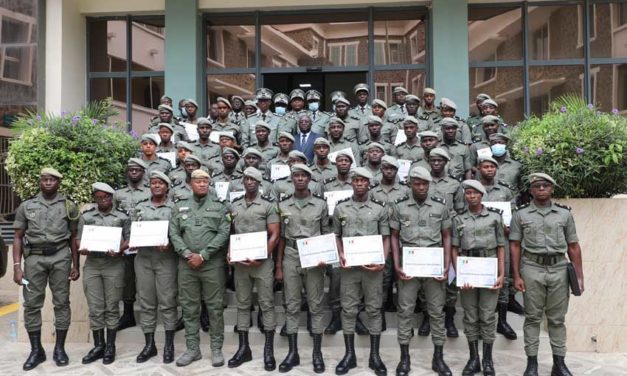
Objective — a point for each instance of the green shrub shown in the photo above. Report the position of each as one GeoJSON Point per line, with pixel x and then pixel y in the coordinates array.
{"type": "Point", "coordinates": [81, 145]}
{"type": "Point", "coordinates": [583, 149]}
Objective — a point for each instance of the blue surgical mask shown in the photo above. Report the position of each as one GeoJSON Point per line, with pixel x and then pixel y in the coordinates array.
{"type": "Point", "coordinates": [183, 112]}
{"type": "Point", "coordinates": [279, 110]}
{"type": "Point", "coordinates": [313, 106]}
{"type": "Point", "coordinates": [498, 150]}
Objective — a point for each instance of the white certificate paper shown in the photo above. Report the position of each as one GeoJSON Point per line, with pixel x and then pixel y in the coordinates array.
{"type": "Point", "coordinates": [363, 250]}
{"type": "Point", "coordinates": [333, 197]}
{"type": "Point", "coordinates": [333, 155]}
{"type": "Point", "coordinates": [214, 137]}
{"type": "Point", "coordinates": [478, 272]}
{"type": "Point", "coordinates": [317, 249]}
{"type": "Point", "coordinates": [222, 189]}
{"type": "Point", "coordinates": [101, 238]}
{"type": "Point", "coordinates": [149, 234]}
{"type": "Point", "coordinates": [423, 261]}
{"type": "Point", "coordinates": [403, 169]}
{"type": "Point", "coordinates": [191, 129]}
{"type": "Point", "coordinates": [400, 137]}
{"type": "Point", "coordinates": [484, 153]}
{"type": "Point", "coordinates": [252, 245]}
{"type": "Point", "coordinates": [170, 156]}
{"type": "Point", "coordinates": [503, 205]}
{"type": "Point", "coordinates": [278, 171]}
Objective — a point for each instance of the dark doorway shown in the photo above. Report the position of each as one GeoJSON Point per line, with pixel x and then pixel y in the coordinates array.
{"type": "Point", "coordinates": [325, 83]}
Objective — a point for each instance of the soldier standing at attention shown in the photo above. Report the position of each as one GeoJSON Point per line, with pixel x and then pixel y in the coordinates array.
{"type": "Point", "coordinates": [541, 234]}
{"type": "Point", "coordinates": [199, 229]}
{"type": "Point", "coordinates": [103, 274]}
{"type": "Point", "coordinates": [45, 228]}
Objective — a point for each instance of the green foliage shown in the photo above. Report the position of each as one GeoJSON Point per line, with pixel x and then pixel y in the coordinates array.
{"type": "Point", "coordinates": [81, 145]}
{"type": "Point", "coordinates": [583, 149]}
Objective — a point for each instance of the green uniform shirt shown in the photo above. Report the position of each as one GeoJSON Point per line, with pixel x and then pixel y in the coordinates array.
{"type": "Point", "coordinates": [284, 187]}
{"type": "Point", "coordinates": [159, 164]}
{"type": "Point", "coordinates": [253, 216]}
{"type": "Point", "coordinates": [352, 218]}
{"type": "Point", "coordinates": [269, 152]}
{"type": "Point", "coordinates": [335, 184]}
{"type": "Point", "coordinates": [420, 225]}
{"type": "Point", "coordinates": [115, 218]}
{"type": "Point", "coordinates": [478, 231]}
{"type": "Point", "coordinates": [388, 193]}
{"type": "Point", "coordinates": [248, 128]}
{"type": "Point", "coordinates": [303, 218]}
{"type": "Point", "coordinates": [342, 144]}
{"type": "Point", "coordinates": [363, 147]}
{"type": "Point", "coordinates": [322, 173]}
{"type": "Point", "coordinates": [126, 198]}
{"type": "Point", "coordinates": [499, 192]}
{"type": "Point", "coordinates": [460, 158]}
{"type": "Point", "coordinates": [206, 151]}
{"type": "Point", "coordinates": [229, 127]}
{"type": "Point", "coordinates": [46, 222]}
{"type": "Point", "coordinates": [509, 172]}
{"type": "Point", "coordinates": [412, 153]}
{"type": "Point", "coordinates": [450, 190]}
{"type": "Point", "coordinates": [178, 175]}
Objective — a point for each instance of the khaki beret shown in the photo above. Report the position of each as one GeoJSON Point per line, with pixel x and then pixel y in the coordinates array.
{"type": "Point", "coordinates": [499, 136]}
{"type": "Point", "coordinates": [322, 141]}
{"type": "Point", "coordinates": [399, 89]}
{"type": "Point", "coordinates": [298, 154]}
{"type": "Point", "coordinates": [166, 125]}
{"type": "Point", "coordinates": [412, 98]}
{"type": "Point", "coordinates": [489, 101]}
{"type": "Point", "coordinates": [156, 174]}
{"type": "Point", "coordinates": [225, 101]}
{"type": "Point", "coordinates": [439, 152]}
{"type": "Point", "coordinates": [203, 121]}
{"type": "Point", "coordinates": [445, 102]}
{"type": "Point", "coordinates": [154, 138]}
{"type": "Point", "coordinates": [261, 123]}
{"type": "Point", "coordinates": [537, 176]}
{"type": "Point", "coordinates": [192, 158]}
{"type": "Point", "coordinates": [344, 153]}
{"type": "Point", "coordinates": [50, 171]}
{"type": "Point", "coordinates": [342, 100]}
{"type": "Point", "coordinates": [428, 134]}
{"type": "Point", "coordinates": [375, 145]}
{"type": "Point", "coordinates": [360, 87]}
{"type": "Point", "coordinates": [488, 159]}
{"type": "Point", "coordinates": [228, 150]}
{"type": "Point", "coordinates": [374, 119]}
{"type": "Point", "coordinates": [165, 107]}
{"type": "Point", "coordinates": [449, 122]}
{"type": "Point", "coordinates": [102, 187]}
{"type": "Point", "coordinates": [253, 173]}
{"type": "Point", "coordinates": [191, 101]}
{"type": "Point", "coordinates": [361, 172]}
{"type": "Point", "coordinates": [287, 135]}
{"type": "Point", "coordinates": [227, 134]}
{"type": "Point", "coordinates": [184, 144]}
{"type": "Point", "coordinates": [136, 162]}
{"type": "Point", "coordinates": [410, 119]}
{"type": "Point", "coordinates": [200, 174]}
{"type": "Point", "coordinates": [428, 90]}
{"type": "Point", "coordinates": [301, 167]}
{"type": "Point", "coordinates": [252, 151]}
{"type": "Point", "coordinates": [490, 119]}
{"type": "Point", "coordinates": [379, 102]}
{"type": "Point", "coordinates": [419, 172]}
{"type": "Point", "coordinates": [389, 160]}
{"type": "Point", "coordinates": [476, 185]}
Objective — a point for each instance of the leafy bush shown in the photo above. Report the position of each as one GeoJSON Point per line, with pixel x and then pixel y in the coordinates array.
{"type": "Point", "coordinates": [583, 149]}
{"type": "Point", "coordinates": [81, 145]}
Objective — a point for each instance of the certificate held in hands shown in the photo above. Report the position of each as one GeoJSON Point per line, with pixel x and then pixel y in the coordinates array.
{"type": "Point", "coordinates": [423, 262]}
{"type": "Point", "coordinates": [312, 251]}
{"type": "Point", "coordinates": [478, 272]}
{"type": "Point", "coordinates": [101, 238]}
{"type": "Point", "coordinates": [149, 234]}
{"type": "Point", "coordinates": [363, 250]}
{"type": "Point", "coordinates": [249, 246]}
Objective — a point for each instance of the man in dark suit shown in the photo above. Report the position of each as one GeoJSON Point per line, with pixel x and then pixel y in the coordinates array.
{"type": "Point", "coordinates": [305, 137]}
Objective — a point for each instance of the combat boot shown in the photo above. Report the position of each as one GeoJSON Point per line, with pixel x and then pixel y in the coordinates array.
{"type": "Point", "coordinates": [404, 366]}
{"type": "Point", "coordinates": [473, 365]}
{"type": "Point", "coordinates": [168, 348]}
{"type": "Point", "coordinates": [515, 307]}
{"type": "Point", "coordinates": [260, 321]}
{"type": "Point", "coordinates": [109, 354]}
{"type": "Point", "coordinates": [360, 328]}
{"type": "Point", "coordinates": [189, 356]}
{"type": "Point", "coordinates": [437, 363]}
{"type": "Point", "coordinates": [374, 361]}
{"type": "Point", "coordinates": [559, 367]}
{"type": "Point", "coordinates": [502, 327]}
{"type": "Point", "coordinates": [59, 355]}
{"type": "Point", "coordinates": [149, 350]}
{"type": "Point", "coordinates": [486, 362]}
{"type": "Point", "coordinates": [128, 317]}
{"type": "Point", "coordinates": [336, 323]}
{"type": "Point", "coordinates": [449, 322]}
{"type": "Point", "coordinates": [292, 359]}
{"type": "Point", "coordinates": [37, 354]}
{"type": "Point", "coordinates": [243, 353]}
{"type": "Point", "coordinates": [532, 366]}
{"type": "Point", "coordinates": [316, 356]}
{"type": "Point", "coordinates": [269, 363]}
{"type": "Point", "coordinates": [425, 327]}
{"type": "Point", "coordinates": [217, 358]}
{"type": "Point", "coordinates": [99, 346]}
{"type": "Point", "coordinates": [349, 361]}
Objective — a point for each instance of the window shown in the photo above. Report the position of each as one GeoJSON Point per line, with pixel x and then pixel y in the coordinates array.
{"type": "Point", "coordinates": [621, 87]}
{"type": "Point", "coordinates": [381, 92]}
{"type": "Point", "coordinates": [592, 21]}
{"type": "Point", "coordinates": [541, 43]}
{"type": "Point", "coordinates": [343, 54]}
{"type": "Point", "coordinates": [16, 47]}
{"type": "Point", "coordinates": [414, 46]}
{"type": "Point", "coordinates": [622, 13]}
{"type": "Point", "coordinates": [215, 46]}
{"type": "Point", "coordinates": [393, 55]}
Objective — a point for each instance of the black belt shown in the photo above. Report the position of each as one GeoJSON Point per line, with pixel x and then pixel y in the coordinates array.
{"type": "Point", "coordinates": [291, 243]}
{"type": "Point", "coordinates": [46, 250]}
{"type": "Point", "coordinates": [544, 259]}
{"type": "Point", "coordinates": [479, 252]}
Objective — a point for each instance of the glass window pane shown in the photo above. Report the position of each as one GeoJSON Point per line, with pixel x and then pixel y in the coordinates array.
{"type": "Point", "coordinates": [385, 82]}
{"type": "Point", "coordinates": [227, 85]}
{"type": "Point", "coordinates": [230, 41]}
{"type": "Point", "coordinates": [609, 38]}
{"type": "Point", "coordinates": [107, 46]}
{"type": "Point", "coordinates": [339, 39]}
{"type": "Point", "coordinates": [495, 34]}
{"type": "Point", "coordinates": [609, 87]}
{"type": "Point", "coordinates": [148, 45]}
{"type": "Point", "coordinates": [399, 37]}
{"type": "Point", "coordinates": [101, 88]}
{"type": "Point", "coordinates": [550, 82]}
{"type": "Point", "coordinates": [145, 95]}
{"type": "Point", "coordinates": [553, 32]}
{"type": "Point", "coordinates": [504, 85]}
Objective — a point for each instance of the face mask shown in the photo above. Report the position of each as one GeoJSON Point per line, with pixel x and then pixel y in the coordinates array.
{"type": "Point", "coordinates": [279, 110]}
{"type": "Point", "coordinates": [498, 150]}
{"type": "Point", "coordinates": [313, 106]}
{"type": "Point", "coordinates": [183, 112]}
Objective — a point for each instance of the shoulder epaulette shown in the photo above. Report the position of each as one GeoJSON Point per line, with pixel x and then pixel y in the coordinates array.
{"type": "Point", "coordinates": [363, 142]}
{"type": "Point", "coordinates": [342, 200]}
{"type": "Point", "coordinates": [563, 206]}
{"type": "Point", "coordinates": [123, 212]}
{"type": "Point", "coordinates": [317, 195]}
{"type": "Point", "coordinates": [401, 199]}
{"type": "Point", "coordinates": [495, 210]}
{"type": "Point", "coordinates": [423, 117]}
{"type": "Point", "coordinates": [146, 199]}
{"type": "Point", "coordinates": [403, 182]}
{"type": "Point", "coordinates": [401, 144]}
{"type": "Point", "coordinates": [501, 182]}
{"type": "Point", "coordinates": [458, 178]}
{"type": "Point", "coordinates": [329, 180]}
{"type": "Point", "coordinates": [239, 198]}
{"type": "Point", "coordinates": [377, 201]}
{"type": "Point", "coordinates": [94, 208]}
{"type": "Point", "coordinates": [167, 160]}
{"type": "Point", "coordinates": [267, 179]}
{"type": "Point", "coordinates": [519, 207]}
{"type": "Point", "coordinates": [285, 197]}
{"type": "Point", "coordinates": [477, 139]}
{"type": "Point", "coordinates": [438, 199]}
{"type": "Point", "coordinates": [354, 117]}
{"type": "Point", "coordinates": [267, 198]}
{"type": "Point", "coordinates": [373, 185]}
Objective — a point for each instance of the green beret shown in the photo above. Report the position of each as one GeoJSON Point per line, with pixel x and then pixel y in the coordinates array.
{"type": "Point", "coordinates": [389, 160]}
{"type": "Point", "coordinates": [399, 89]}
{"type": "Point", "coordinates": [298, 154]}
{"type": "Point", "coordinates": [449, 122]}
{"type": "Point", "coordinates": [374, 119]}
{"type": "Point", "coordinates": [154, 138]}
{"type": "Point", "coordinates": [490, 119]}
{"type": "Point", "coordinates": [419, 172]}
{"type": "Point", "coordinates": [228, 150]}
{"type": "Point", "coordinates": [361, 172]}
{"type": "Point", "coordinates": [412, 98]}
{"type": "Point", "coordinates": [499, 136]}
{"type": "Point", "coordinates": [192, 158]}
{"type": "Point", "coordinates": [537, 176]}
{"type": "Point", "coordinates": [344, 153]}
{"type": "Point", "coordinates": [191, 101]}
{"type": "Point", "coordinates": [227, 134]}
{"type": "Point", "coordinates": [166, 125]}
{"type": "Point", "coordinates": [136, 162]}
{"type": "Point", "coordinates": [186, 145]}
{"type": "Point", "coordinates": [476, 185]}
{"type": "Point", "coordinates": [337, 120]}
{"type": "Point", "coordinates": [482, 97]}
{"type": "Point", "coordinates": [322, 141]}
{"type": "Point", "coordinates": [252, 151]}
{"type": "Point", "coordinates": [261, 123]}
{"type": "Point", "coordinates": [203, 121]}
{"type": "Point", "coordinates": [165, 107]}
{"type": "Point", "coordinates": [287, 135]}
{"type": "Point", "coordinates": [428, 134]}
{"type": "Point", "coordinates": [342, 100]}
{"type": "Point", "coordinates": [410, 119]}
{"type": "Point", "coordinates": [488, 159]}
{"type": "Point", "coordinates": [252, 172]}
{"type": "Point", "coordinates": [102, 187]}
{"type": "Point", "coordinates": [301, 167]}
{"type": "Point", "coordinates": [445, 102]}
{"type": "Point", "coordinates": [225, 101]}
{"type": "Point", "coordinates": [375, 145]}
{"type": "Point", "coordinates": [489, 101]}
{"type": "Point", "coordinates": [439, 152]}
{"type": "Point", "coordinates": [156, 174]}
{"type": "Point", "coordinates": [379, 102]}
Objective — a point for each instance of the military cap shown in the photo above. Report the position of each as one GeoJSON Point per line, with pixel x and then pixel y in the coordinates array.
{"type": "Point", "coordinates": [428, 90]}
{"type": "Point", "coordinates": [50, 171]}
{"type": "Point", "coordinates": [160, 175]}
{"type": "Point", "coordinates": [439, 152]}
{"type": "Point", "coordinates": [490, 119]}
{"type": "Point", "coordinates": [390, 160]}
{"type": "Point", "coordinates": [281, 98]}
{"type": "Point", "coordinates": [499, 136]}
{"type": "Point", "coordinates": [183, 144]}
{"type": "Point", "coordinates": [490, 102]}
{"type": "Point", "coordinates": [482, 97]}
{"type": "Point", "coordinates": [165, 107]}
{"type": "Point", "coordinates": [261, 123]}
{"type": "Point", "coordinates": [361, 172]}
{"type": "Point", "coordinates": [322, 141]}
{"type": "Point", "coordinates": [136, 162]}
{"type": "Point", "coordinates": [400, 89]}
{"type": "Point", "coordinates": [154, 138]}
{"type": "Point", "coordinates": [203, 121]}
{"type": "Point", "coordinates": [228, 135]}
{"type": "Point", "coordinates": [313, 95]}
{"type": "Point", "coordinates": [191, 101]}
{"type": "Point", "coordinates": [445, 102]}
{"type": "Point", "coordinates": [342, 100]}
{"type": "Point", "coordinates": [476, 185]}
{"type": "Point", "coordinates": [200, 174]}
{"type": "Point", "coordinates": [335, 119]}
{"type": "Point", "coordinates": [228, 150]}
{"type": "Point", "coordinates": [374, 119]}
{"type": "Point", "coordinates": [344, 153]}
{"type": "Point", "coordinates": [263, 93]}
{"type": "Point", "coordinates": [298, 154]}
{"type": "Point", "coordinates": [301, 167]}
{"type": "Point", "coordinates": [375, 145]}
{"type": "Point", "coordinates": [297, 93]}
{"type": "Point", "coordinates": [449, 122]}
{"type": "Point", "coordinates": [337, 94]}
{"type": "Point", "coordinates": [419, 172]}
{"type": "Point", "coordinates": [102, 187]}
{"type": "Point", "coordinates": [234, 97]}
{"type": "Point", "coordinates": [360, 87]}
{"type": "Point", "coordinates": [225, 101]}
{"type": "Point", "coordinates": [428, 134]}
{"type": "Point", "coordinates": [167, 125]}
{"type": "Point", "coordinates": [252, 151]}
{"type": "Point", "coordinates": [410, 119]}
{"type": "Point", "coordinates": [192, 158]}
{"type": "Point", "coordinates": [379, 102]}
{"type": "Point", "coordinates": [250, 103]}
{"type": "Point", "coordinates": [412, 98]}
{"type": "Point", "coordinates": [537, 176]}
{"type": "Point", "coordinates": [488, 159]}
{"type": "Point", "coordinates": [252, 172]}
{"type": "Point", "coordinates": [287, 135]}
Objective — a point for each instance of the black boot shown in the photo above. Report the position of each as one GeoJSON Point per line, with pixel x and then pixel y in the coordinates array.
{"type": "Point", "coordinates": [336, 323]}
{"type": "Point", "coordinates": [269, 364]}
{"type": "Point", "coordinates": [109, 354]}
{"type": "Point", "coordinates": [168, 348]}
{"type": "Point", "coordinates": [374, 361]}
{"type": "Point", "coordinates": [384, 324]}
{"type": "Point", "coordinates": [425, 327]}
{"type": "Point", "coordinates": [309, 324]}
{"type": "Point", "coordinates": [515, 307]}
{"type": "Point", "coordinates": [37, 354]}
{"type": "Point", "coordinates": [59, 356]}
{"type": "Point", "coordinates": [243, 353]}
{"type": "Point", "coordinates": [260, 320]}
{"type": "Point", "coordinates": [449, 322]}
{"type": "Point", "coordinates": [473, 365]}
{"type": "Point", "coordinates": [532, 366]}
{"type": "Point", "coordinates": [149, 350]}
{"type": "Point", "coordinates": [360, 328]}
{"type": "Point", "coordinates": [204, 317]}
{"type": "Point", "coordinates": [316, 356]}
{"type": "Point", "coordinates": [404, 366]}
{"type": "Point", "coordinates": [349, 360]}
{"type": "Point", "coordinates": [486, 362]}
{"type": "Point", "coordinates": [502, 326]}
{"type": "Point", "coordinates": [180, 324]}
{"type": "Point", "coordinates": [283, 331]}
{"type": "Point", "coordinates": [99, 347]}
{"type": "Point", "coordinates": [128, 317]}
{"type": "Point", "coordinates": [292, 359]}
{"type": "Point", "coordinates": [559, 367]}
{"type": "Point", "coordinates": [437, 364]}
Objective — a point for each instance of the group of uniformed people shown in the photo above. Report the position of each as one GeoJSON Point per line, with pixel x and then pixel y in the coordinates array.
{"type": "Point", "coordinates": [268, 171]}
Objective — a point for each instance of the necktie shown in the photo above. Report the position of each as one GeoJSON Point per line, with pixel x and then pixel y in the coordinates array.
{"type": "Point", "coordinates": [313, 116]}
{"type": "Point", "coordinates": [403, 109]}
{"type": "Point", "coordinates": [363, 111]}
{"type": "Point", "coordinates": [263, 117]}
{"type": "Point", "coordinates": [303, 139]}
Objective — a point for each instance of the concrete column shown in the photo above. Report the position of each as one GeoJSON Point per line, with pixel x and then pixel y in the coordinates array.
{"type": "Point", "coordinates": [450, 52]}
